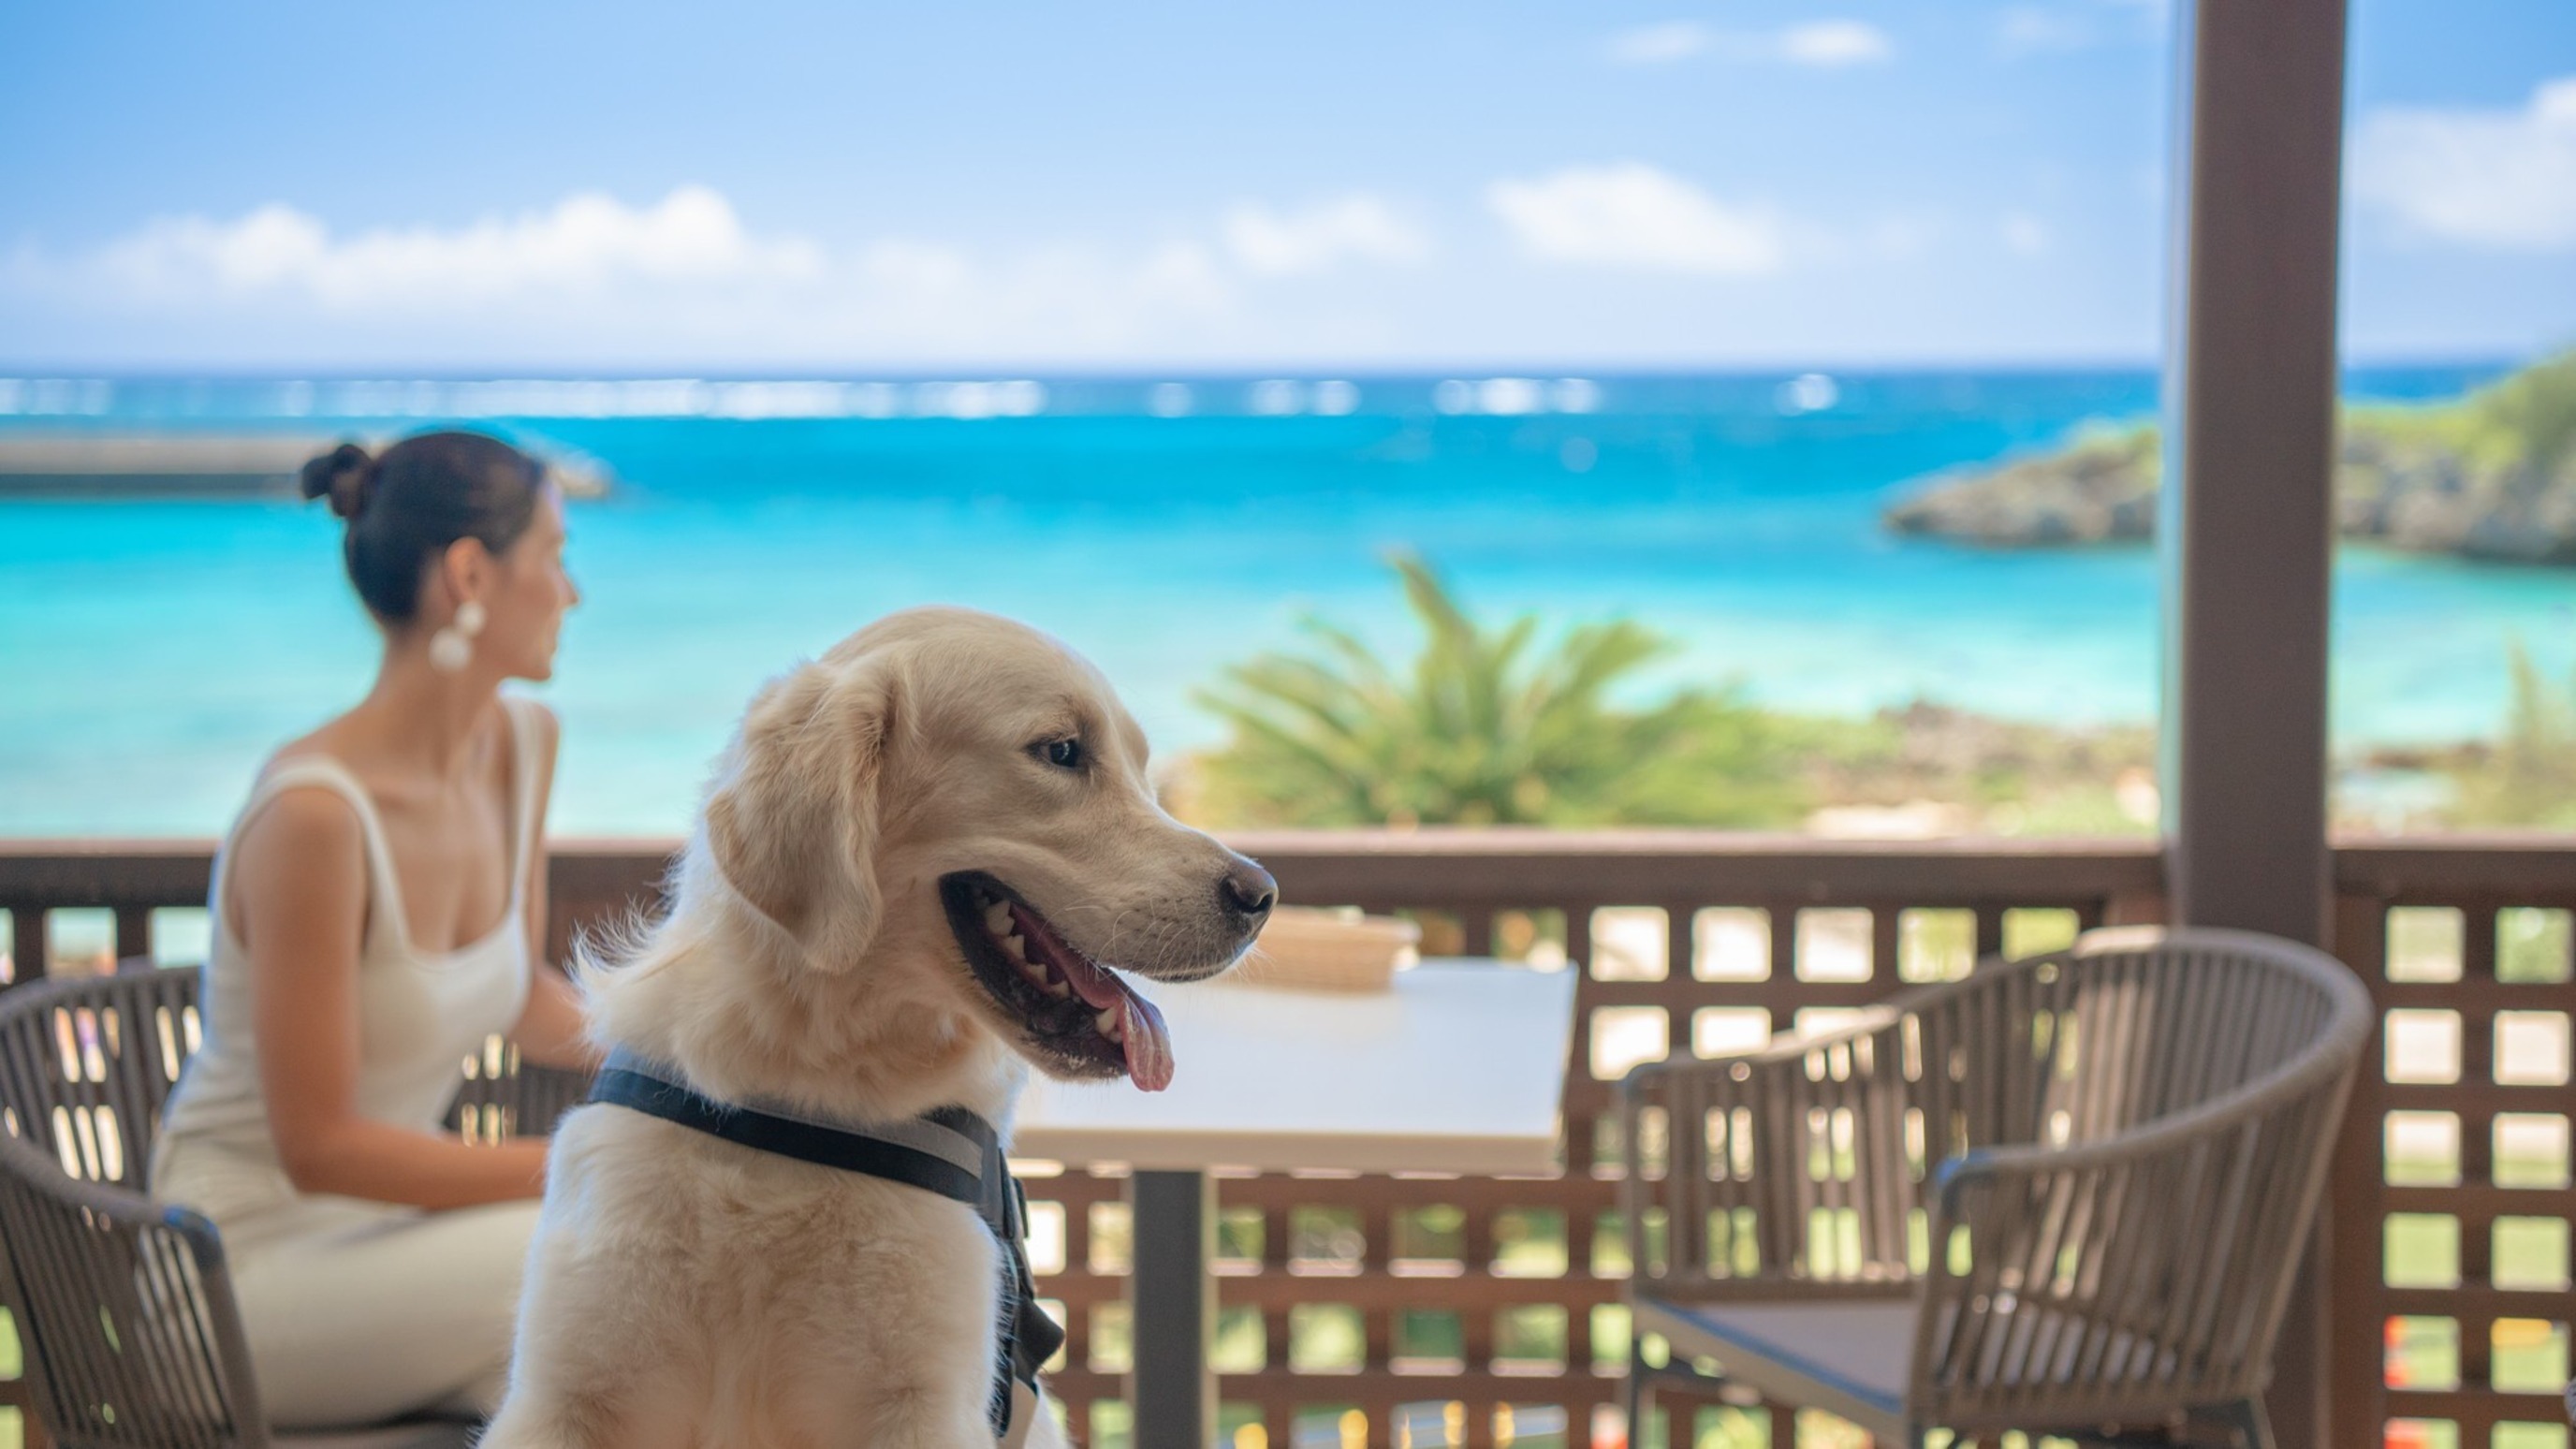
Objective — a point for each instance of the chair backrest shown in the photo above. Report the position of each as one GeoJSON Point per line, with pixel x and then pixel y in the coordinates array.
{"type": "Point", "coordinates": [85, 1064]}
{"type": "Point", "coordinates": [2134, 1187]}
{"type": "Point", "coordinates": [2129, 1027]}
{"type": "Point", "coordinates": [2095, 1168]}
{"type": "Point", "coordinates": [123, 1309]}
{"type": "Point", "coordinates": [88, 1062]}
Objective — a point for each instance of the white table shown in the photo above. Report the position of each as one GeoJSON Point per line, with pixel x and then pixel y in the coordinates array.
{"type": "Point", "coordinates": [1459, 1068]}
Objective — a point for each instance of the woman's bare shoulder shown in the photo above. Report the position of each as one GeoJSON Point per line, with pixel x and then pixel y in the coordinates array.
{"type": "Point", "coordinates": [548, 725]}
{"type": "Point", "coordinates": [302, 820]}
{"type": "Point", "coordinates": [302, 857]}
{"type": "Point", "coordinates": [545, 736]}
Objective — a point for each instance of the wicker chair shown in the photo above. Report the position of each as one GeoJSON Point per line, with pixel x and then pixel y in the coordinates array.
{"type": "Point", "coordinates": [2066, 1194]}
{"type": "Point", "coordinates": [123, 1307]}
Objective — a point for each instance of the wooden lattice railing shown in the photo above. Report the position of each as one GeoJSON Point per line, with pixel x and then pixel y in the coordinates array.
{"type": "Point", "coordinates": [1474, 1310]}
{"type": "Point", "coordinates": [1423, 1309]}
{"type": "Point", "coordinates": [2452, 1195]}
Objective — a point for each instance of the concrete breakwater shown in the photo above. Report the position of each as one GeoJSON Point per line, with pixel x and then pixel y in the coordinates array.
{"type": "Point", "coordinates": [238, 465]}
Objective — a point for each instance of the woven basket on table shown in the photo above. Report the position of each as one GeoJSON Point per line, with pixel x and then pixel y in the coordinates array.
{"type": "Point", "coordinates": [1323, 950]}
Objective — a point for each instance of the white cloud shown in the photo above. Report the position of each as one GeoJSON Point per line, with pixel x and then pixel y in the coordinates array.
{"type": "Point", "coordinates": [585, 243]}
{"type": "Point", "coordinates": [1820, 44]}
{"type": "Point", "coordinates": [932, 300]}
{"type": "Point", "coordinates": [916, 266]}
{"type": "Point", "coordinates": [2501, 179]}
{"type": "Point", "coordinates": [1628, 214]}
{"type": "Point", "coordinates": [2025, 235]}
{"type": "Point", "coordinates": [1659, 44]}
{"type": "Point", "coordinates": [1358, 227]}
{"type": "Point", "coordinates": [1835, 43]}
{"type": "Point", "coordinates": [690, 279]}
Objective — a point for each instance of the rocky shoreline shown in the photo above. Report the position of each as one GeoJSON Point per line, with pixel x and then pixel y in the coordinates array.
{"type": "Point", "coordinates": [2491, 477]}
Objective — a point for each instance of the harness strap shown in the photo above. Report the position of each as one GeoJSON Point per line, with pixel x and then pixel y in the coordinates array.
{"type": "Point", "coordinates": [949, 1151]}
{"type": "Point", "coordinates": [629, 1084]}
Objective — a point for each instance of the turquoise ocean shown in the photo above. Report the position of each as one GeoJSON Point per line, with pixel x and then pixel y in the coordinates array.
{"type": "Point", "coordinates": [152, 651]}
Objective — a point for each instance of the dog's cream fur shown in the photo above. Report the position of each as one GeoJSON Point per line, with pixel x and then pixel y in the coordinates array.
{"type": "Point", "coordinates": [684, 1293]}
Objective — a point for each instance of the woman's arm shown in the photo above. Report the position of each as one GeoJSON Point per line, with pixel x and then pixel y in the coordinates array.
{"type": "Point", "coordinates": [300, 874]}
{"type": "Point", "coordinates": [551, 1030]}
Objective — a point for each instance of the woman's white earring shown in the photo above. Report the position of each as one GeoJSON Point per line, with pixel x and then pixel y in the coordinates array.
{"type": "Point", "coordinates": [452, 648]}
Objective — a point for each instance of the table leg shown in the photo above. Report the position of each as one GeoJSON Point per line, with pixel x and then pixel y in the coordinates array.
{"type": "Point", "coordinates": [1173, 1306]}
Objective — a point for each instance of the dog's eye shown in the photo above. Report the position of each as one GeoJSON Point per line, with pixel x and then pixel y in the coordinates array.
{"type": "Point", "coordinates": [1064, 754]}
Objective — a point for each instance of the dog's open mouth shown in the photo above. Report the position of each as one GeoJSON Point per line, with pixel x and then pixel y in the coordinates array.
{"type": "Point", "coordinates": [1077, 1012]}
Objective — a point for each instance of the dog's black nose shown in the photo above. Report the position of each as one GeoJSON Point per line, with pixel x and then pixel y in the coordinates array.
{"type": "Point", "coordinates": [1247, 889]}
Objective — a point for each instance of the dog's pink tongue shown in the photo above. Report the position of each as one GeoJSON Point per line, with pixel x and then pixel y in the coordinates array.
{"type": "Point", "coordinates": [1149, 1042]}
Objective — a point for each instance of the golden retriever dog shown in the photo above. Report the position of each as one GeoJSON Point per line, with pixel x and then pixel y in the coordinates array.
{"type": "Point", "coordinates": [928, 861]}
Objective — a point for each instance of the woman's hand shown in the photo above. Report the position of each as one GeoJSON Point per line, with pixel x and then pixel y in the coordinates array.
{"type": "Point", "coordinates": [553, 1030]}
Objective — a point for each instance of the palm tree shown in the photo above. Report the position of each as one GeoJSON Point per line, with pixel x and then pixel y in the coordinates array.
{"type": "Point", "coordinates": [1486, 727]}
{"type": "Point", "coordinates": [2529, 776]}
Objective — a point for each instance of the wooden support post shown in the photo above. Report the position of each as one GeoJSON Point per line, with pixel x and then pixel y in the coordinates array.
{"type": "Point", "coordinates": [1174, 1309]}
{"type": "Point", "coordinates": [133, 933]}
{"type": "Point", "coordinates": [2247, 513]}
{"type": "Point", "coordinates": [28, 949]}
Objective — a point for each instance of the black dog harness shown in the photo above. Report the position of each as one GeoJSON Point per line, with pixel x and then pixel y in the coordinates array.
{"type": "Point", "coordinates": [949, 1151]}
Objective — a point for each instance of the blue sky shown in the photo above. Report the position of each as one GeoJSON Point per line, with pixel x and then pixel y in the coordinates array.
{"type": "Point", "coordinates": [644, 188]}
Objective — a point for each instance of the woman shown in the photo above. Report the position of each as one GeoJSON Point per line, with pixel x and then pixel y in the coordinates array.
{"type": "Point", "coordinates": [379, 910]}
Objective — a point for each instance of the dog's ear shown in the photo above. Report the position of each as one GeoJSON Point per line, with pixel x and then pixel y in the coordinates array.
{"type": "Point", "coordinates": [792, 819]}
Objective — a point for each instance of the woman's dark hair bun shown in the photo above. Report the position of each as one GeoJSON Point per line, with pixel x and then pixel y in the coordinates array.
{"type": "Point", "coordinates": [341, 475]}
{"type": "Point", "coordinates": [410, 503]}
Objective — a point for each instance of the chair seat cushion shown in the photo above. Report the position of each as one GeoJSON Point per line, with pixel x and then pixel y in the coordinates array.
{"type": "Point", "coordinates": [1849, 1357]}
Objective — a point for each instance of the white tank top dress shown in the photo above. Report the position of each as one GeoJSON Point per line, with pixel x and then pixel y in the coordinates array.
{"type": "Point", "coordinates": [420, 1015]}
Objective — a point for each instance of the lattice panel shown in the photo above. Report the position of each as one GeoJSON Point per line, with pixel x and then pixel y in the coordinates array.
{"type": "Point", "coordinates": [2456, 1192]}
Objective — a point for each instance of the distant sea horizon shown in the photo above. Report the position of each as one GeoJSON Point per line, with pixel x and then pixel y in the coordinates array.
{"type": "Point", "coordinates": [1166, 525]}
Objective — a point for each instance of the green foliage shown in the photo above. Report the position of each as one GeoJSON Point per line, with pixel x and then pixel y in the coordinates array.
{"type": "Point", "coordinates": [1486, 727]}
{"type": "Point", "coordinates": [2132, 444]}
{"type": "Point", "coordinates": [2529, 776]}
{"type": "Point", "coordinates": [2527, 419]}
{"type": "Point", "coordinates": [2531, 414]}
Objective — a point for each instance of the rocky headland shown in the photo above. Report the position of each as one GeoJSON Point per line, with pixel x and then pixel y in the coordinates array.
{"type": "Point", "coordinates": [2491, 476]}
